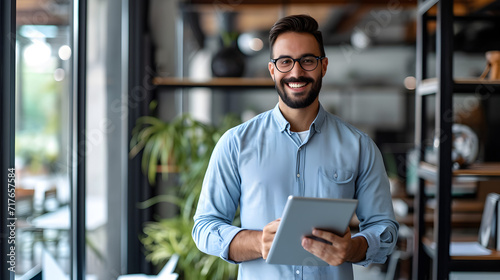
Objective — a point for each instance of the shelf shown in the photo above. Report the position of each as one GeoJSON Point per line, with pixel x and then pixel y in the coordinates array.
{"type": "Point", "coordinates": [214, 83]}
{"type": "Point", "coordinates": [466, 206]}
{"type": "Point", "coordinates": [444, 14]}
{"type": "Point", "coordinates": [234, 4]}
{"type": "Point", "coordinates": [430, 86]}
{"type": "Point", "coordinates": [458, 220]}
{"type": "Point", "coordinates": [426, 5]}
{"type": "Point", "coordinates": [467, 263]}
{"type": "Point", "coordinates": [484, 170]}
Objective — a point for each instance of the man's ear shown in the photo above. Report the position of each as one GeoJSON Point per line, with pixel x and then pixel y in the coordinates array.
{"type": "Point", "coordinates": [324, 66]}
{"type": "Point", "coordinates": [270, 65]}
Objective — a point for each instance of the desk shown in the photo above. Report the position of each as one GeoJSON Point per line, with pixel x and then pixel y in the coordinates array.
{"type": "Point", "coordinates": [51, 229]}
{"type": "Point", "coordinates": [95, 212]}
{"type": "Point", "coordinates": [42, 183]}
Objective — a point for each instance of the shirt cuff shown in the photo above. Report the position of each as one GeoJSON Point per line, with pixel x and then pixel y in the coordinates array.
{"type": "Point", "coordinates": [380, 242]}
{"type": "Point", "coordinates": [228, 235]}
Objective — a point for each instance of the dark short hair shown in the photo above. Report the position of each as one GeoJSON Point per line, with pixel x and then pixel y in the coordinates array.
{"type": "Point", "coordinates": [296, 23]}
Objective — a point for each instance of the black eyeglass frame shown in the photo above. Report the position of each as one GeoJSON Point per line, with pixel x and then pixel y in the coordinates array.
{"type": "Point", "coordinates": [318, 58]}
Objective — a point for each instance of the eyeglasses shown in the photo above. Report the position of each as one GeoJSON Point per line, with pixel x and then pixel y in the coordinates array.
{"type": "Point", "coordinates": [308, 63]}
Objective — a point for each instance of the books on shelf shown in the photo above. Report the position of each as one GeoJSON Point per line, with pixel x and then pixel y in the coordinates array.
{"type": "Point", "coordinates": [489, 234]}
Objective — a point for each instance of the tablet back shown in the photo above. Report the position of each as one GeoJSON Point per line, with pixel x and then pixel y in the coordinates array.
{"type": "Point", "coordinates": [300, 216]}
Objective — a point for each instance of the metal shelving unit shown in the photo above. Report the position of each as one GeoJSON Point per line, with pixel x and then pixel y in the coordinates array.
{"type": "Point", "coordinates": [442, 87]}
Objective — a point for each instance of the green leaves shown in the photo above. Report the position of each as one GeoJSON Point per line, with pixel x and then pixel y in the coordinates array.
{"type": "Point", "coordinates": [183, 146]}
{"type": "Point", "coordinates": [173, 236]}
{"type": "Point", "coordinates": [174, 145]}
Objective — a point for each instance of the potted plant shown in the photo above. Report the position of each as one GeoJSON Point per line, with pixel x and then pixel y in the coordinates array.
{"type": "Point", "coordinates": [183, 146]}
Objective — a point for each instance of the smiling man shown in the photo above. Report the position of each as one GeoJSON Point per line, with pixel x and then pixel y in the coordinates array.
{"type": "Point", "coordinates": [295, 149]}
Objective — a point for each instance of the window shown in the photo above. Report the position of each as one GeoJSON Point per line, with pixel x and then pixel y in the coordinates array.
{"type": "Point", "coordinates": [50, 149]}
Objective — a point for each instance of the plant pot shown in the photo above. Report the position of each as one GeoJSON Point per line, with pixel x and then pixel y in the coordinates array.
{"type": "Point", "coordinates": [228, 62]}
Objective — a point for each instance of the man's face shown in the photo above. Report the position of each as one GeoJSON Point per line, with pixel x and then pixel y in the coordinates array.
{"type": "Point", "coordinates": [297, 88]}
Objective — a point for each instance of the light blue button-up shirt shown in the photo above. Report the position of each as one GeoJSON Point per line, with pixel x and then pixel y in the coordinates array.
{"type": "Point", "coordinates": [259, 163]}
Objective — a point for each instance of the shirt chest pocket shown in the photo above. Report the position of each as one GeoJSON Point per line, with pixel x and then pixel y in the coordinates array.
{"type": "Point", "coordinates": [336, 183]}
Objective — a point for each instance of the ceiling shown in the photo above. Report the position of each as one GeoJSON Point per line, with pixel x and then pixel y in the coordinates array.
{"type": "Point", "coordinates": [42, 12]}
{"type": "Point", "coordinates": [382, 22]}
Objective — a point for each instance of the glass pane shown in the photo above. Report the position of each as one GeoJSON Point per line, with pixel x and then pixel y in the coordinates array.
{"type": "Point", "coordinates": [43, 129]}
{"type": "Point", "coordinates": [43, 79]}
{"type": "Point", "coordinates": [96, 157]}
{"type": "Point", "coordinates": [106, 145]}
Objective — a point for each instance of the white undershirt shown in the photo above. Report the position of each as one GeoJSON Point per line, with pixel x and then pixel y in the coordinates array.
{"type": "Point", "coordinates": [303, 135]}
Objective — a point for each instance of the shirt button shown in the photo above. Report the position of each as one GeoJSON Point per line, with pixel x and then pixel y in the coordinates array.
{"type": "Point", "coordinates": [297, 271]}
{"type": "Point", "coordinates": [335, 175]}
{"type": "Point", "coordinates": [298, 175]}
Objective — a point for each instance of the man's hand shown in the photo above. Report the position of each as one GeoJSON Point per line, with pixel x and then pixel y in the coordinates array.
{"type": "Point", "coordinates": [268, 234]}
{"type": "Point", "coordinates": [343, 248]}
{"type": "Point", "coordinates": [253, 244]}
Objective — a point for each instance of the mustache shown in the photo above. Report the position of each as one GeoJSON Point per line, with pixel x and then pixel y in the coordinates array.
{"type": "Point", "coordinates": [300, 79]}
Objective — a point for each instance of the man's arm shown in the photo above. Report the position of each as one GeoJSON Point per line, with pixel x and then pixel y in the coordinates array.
{"type": "Point", "coordinates": [253, 244]}
{"type": "Point", "coordinates": [213, 231]}
{"type": "Point", "coordinates": [378, 224]}
{"type": "Point", "coordinates": [246, 245]}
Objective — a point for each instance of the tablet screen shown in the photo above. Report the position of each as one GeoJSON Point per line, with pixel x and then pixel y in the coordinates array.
{"type": "Point", "coordinates": [300, 216]}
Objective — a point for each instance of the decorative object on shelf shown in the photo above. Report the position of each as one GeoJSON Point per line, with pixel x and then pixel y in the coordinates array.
{"type": "Point", "coordinates": [472, 114]}
{"type": "Point", "coordinates": [184, 146]}
{"type": "Point", "coordinates": [492, 66]}
{"type": "Point", "coordinates": [465, 145]}
{"type": "Point", "coordinates": [488, 231]}
{"type": "Point", "coordinates": [228, 61]}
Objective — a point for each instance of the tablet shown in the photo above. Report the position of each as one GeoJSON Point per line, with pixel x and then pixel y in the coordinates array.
{"type": "Point", "coordinates": [300, 216]}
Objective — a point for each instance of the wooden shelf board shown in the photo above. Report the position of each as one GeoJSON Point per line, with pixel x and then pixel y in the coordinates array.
{"type": "Point", "coordinates": [295, 2]}
{"type": "Point", "coordinates": [494, 256]}
{"type": "Point", "coordinates": [480, 169]}
{"type": "Point", "coordinates": [489, 169]}
{"type": "Point", "coordinates": [460, 206]}
{"type": "Point", "coordinates": [461, 85]}
{"type": "Point", "coordinates": [458, 220]}
{"type": "Point", "coordinates": [215, 82]}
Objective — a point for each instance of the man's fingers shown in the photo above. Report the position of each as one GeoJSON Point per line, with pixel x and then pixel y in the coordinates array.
{"type": "Point", "coordinates": [324, 251]}
{"type": "Point", "coordinates": [274, 224]}
{"type": "Point", "coordinates": [333, 254]}
{"type": "Point", "coordinates": [331, 237]}
{"type": "Point", "coordinates": [328, 236]}
{"type": "Point", "coordinates": [272, 227]}
{"type": "Point", "coordinates": [317, 248]}
{"type": "Point", "coordinates": [269, 232]}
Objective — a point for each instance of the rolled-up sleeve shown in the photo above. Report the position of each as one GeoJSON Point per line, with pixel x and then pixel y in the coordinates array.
{"type": "Point", "coordinates": [213, 230]}
{"type": "Point", "coordinates": [377, 221]}
{"type": "Point", "coordinates": [381, 241]}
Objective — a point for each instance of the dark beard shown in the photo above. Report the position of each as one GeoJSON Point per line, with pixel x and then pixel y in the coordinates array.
{"type": "Point", "coordinates": [303, 103]}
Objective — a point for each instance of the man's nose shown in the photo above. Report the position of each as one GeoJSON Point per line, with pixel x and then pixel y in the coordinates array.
{"type": "Point", "coordinates": [297, 70]}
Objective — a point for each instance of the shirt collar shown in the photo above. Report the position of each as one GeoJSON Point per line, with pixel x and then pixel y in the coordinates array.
{"type": "Point", "coordinates": [283, 124]}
